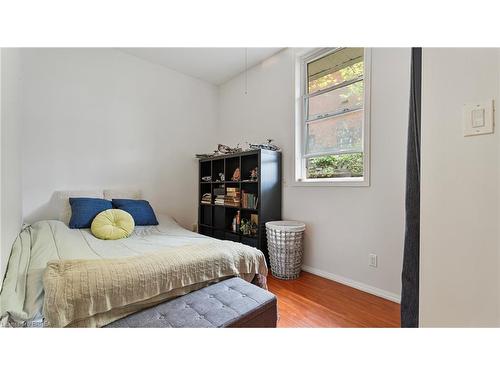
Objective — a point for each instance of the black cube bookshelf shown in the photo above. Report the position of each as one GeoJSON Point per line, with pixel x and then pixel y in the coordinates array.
{"type": "Point", "coordinates": [215, 220]}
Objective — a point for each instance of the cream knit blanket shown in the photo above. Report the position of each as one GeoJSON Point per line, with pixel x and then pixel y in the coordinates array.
{"type": "Point", "coordinates": [95, 292]}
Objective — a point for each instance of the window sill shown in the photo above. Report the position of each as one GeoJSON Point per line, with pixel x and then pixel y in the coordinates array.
{"type": "Point", "coordinates": [346, 181]}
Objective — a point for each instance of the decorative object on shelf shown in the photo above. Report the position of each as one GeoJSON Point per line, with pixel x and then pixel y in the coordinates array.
{"type": "Point", "coordinates": [221, 177]}
{"type": "Point", "coordinates": [254, 218]}
{"type": "Point", "coordinates": [233, 224]}
{"type": "Point", "coordinates": [206, 178]}
{"type": "Point", "coordinates": [245, 227]}
{"type": "Point", "coordinates": [236, 175]}
{"type": "Point", "coordinates": [265, 146]}
{"type": "Point", "coordinates": [254, 174]}
{"type": "Point", "coordinates": [238, 221]}
{"type": "Point", "coordinates": [248, 228]}
{"type": "Point", "coordinates": [221, 150]}
{"type": "Point", "coordinates": [225, 150]}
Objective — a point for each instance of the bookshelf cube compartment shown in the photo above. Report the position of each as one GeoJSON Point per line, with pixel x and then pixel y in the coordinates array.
{"type": "Point", "coordinates": [206, 215]}
{"type": "Point", "coordinates": [206, 231]}
{"type": "Point", "coordinates": [233, 196]}
{"type": "Point", "coordinates": [250, 216]}
{"type": "Point", "coordinates": [206, 189]}
{"type": "Point", "coordinates": [248, 163]}
{"type": "Point", "coordinates": [205, 169]}
{"type": "Point", "coordinates": [230, 215]}
{"type": "Point", "coordinates": [218, 218]}
{"type": "Point", "coordinates": [218, 194]}
{"type": "Point", "coordinates": [249, 195]}
{"type": "Point", "coordinates": [232, 163]}
{"type": "Point", "coordinates": [217, 169]}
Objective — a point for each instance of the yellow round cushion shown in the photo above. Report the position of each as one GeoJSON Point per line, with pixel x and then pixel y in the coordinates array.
{"type": "Point", "coordinates": [112, 225]}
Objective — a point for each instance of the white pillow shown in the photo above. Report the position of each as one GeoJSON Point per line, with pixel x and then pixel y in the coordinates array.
{"type": "Point", "coordinates": [110, 194]}
{"type": "Point", "coordinates": [62, 199]}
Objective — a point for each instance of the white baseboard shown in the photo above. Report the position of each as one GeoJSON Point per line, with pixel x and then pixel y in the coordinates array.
{"type": "Point", "coordinates": [354, 284]}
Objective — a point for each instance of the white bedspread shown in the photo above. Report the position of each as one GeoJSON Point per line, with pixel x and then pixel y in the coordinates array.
{"type": "Point", "coordinates": [22, 294]}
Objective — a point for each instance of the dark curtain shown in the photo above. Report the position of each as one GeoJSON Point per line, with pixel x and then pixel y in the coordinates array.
{"type": "Point", "coordinates": [411, 256]}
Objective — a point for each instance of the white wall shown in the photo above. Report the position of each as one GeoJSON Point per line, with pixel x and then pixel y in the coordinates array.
{"type": "Point", "coordinates": [460, 192]}
{"type": "Point", "coordinates": [344, 224]}
{"type": "Point", "coordinates": [103, 118]}
{"type": "Point", "coordinates": [10, 202]}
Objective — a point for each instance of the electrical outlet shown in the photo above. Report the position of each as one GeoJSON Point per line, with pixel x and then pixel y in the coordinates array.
{"type": "Point", "coordinates": [373, 262]}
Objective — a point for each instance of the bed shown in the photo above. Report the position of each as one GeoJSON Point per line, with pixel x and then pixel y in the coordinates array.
{"type": "Point", "coordinates": [61, 277]}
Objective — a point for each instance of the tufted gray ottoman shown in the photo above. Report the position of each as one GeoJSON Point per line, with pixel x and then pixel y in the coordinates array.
{"type": "Point", "coordinates": [229, 303]}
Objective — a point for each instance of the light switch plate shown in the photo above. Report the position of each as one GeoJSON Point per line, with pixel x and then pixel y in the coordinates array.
{"type": "Point", "coordinates": [478, 118]}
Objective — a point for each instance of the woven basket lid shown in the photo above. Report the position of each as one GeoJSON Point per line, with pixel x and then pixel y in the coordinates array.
{"type": "Point", "coordinates": [286, 226]}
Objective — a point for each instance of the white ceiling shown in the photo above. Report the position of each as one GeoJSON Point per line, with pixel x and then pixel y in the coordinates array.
{"type": "Point", "coordinates": [214, 65]}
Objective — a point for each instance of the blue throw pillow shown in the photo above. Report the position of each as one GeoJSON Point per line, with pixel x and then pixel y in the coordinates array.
{"type": "Point", "coordinates": [141, 210]}
{"type": "Point", "coordinates": [84, 210]}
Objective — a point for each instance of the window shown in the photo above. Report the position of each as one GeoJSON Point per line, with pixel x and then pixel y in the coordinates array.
{"type": "Point", "coordinates": [332, 123]}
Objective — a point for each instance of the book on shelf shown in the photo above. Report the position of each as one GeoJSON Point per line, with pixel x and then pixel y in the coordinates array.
{"type": "Point", "coordinates": [232, 197]}
{"type": "Point", "coordinates": [232, 201]}
{"type": "Point", "coordinates": [232, 191]}
{"type": "Point", "coordinates": [219, 200]}
{"type": "Point", "coordinates": [249, 200]}
{"type": "Point", "coordinates": [206, 198]}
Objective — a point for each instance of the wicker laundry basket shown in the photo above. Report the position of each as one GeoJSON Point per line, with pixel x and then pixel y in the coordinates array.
{"type": "Point", "coordinates": [285, 246]}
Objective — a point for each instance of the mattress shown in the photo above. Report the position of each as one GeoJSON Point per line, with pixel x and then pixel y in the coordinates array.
{"type": "Point", "coordinates": [49, 241]}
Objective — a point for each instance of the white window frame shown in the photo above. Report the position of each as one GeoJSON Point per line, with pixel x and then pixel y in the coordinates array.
{"type": "Point", "coordinates": [302, 58]}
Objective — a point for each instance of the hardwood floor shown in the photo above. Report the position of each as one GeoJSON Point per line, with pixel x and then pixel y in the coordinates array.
{"type": "Point", "coordinates": [313, 301]}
